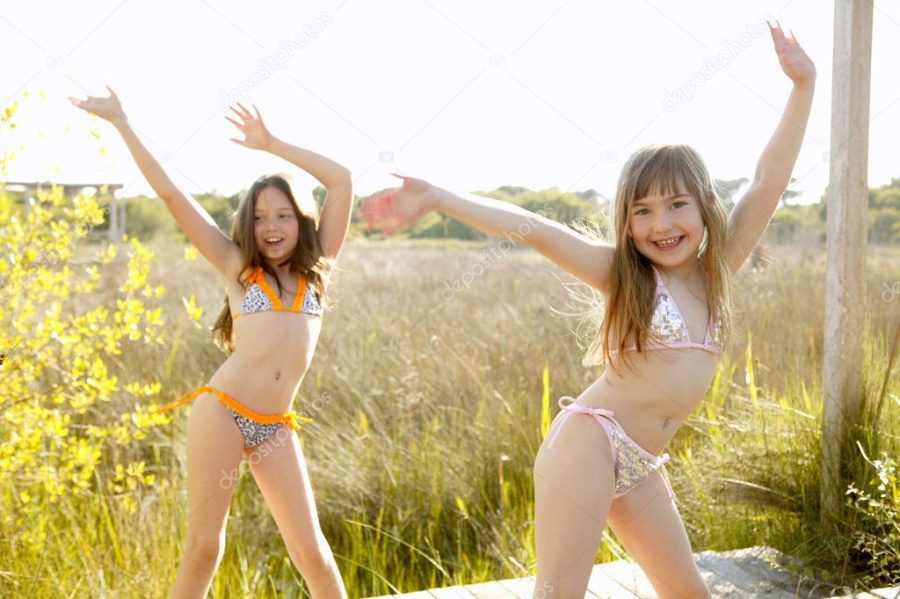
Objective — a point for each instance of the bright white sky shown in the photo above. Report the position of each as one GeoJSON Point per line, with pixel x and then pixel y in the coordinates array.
{"type": "Point", "coordinates": [471, 95]}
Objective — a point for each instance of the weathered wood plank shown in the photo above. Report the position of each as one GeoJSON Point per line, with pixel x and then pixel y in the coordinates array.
{"type": "Point", "coordinates": [522, 588]}
{"type": "Point", "coordinates": [490, 590]}
{"type": "Point", "coordinates": [629, 576]}
{"type": "Point", "coordinates": [740, 574]}
{"type": "Point", "coordinates": [451, 593]}
{"type": "Point", "coordinates": [602, 586]}
{"type": "Point", "coordinates": [413, 595]}
{"type": "Point", "coordinates": [737, 574]}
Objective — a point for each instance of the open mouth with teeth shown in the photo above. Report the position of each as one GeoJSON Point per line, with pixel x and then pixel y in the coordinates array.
{"type": "Point", "coordinates": [273, 241]}
{"type": "Point", "coordinates": [668, 244]}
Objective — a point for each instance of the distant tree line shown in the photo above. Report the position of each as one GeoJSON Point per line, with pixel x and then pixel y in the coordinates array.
{"type": "Point", "coordinates": [147, 217]}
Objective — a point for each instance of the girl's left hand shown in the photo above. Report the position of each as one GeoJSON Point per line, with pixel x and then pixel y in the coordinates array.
{"type": "Point", "coordinates": [794, 61]}
{"type": "Point", "coordinates": [395, 208]}
{"type": "Point", "coordinates": [256, 136]}
{"type": "Point", "coordinates": [109, 108]}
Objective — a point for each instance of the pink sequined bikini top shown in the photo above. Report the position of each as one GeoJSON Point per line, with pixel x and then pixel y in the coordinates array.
{"type": "Point", "coordinates": [668, 329]}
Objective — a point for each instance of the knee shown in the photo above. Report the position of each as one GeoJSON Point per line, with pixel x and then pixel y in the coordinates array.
{"type": "Point", "coordinates": [314, 557]}
{"type": "Point", "coordinates": [203, 551]}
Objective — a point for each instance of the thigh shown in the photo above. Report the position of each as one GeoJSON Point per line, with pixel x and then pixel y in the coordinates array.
{"type": "Point", "coordinates": [280, 472]}
{"type": "Point", "coordinates": [573, 487]}
{"type": "Point", "coordinates": [648, 525]}
{"type": "Point", "coordinates": [214, 452]}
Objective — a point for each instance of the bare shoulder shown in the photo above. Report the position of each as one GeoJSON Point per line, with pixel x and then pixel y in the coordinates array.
{"type": "Point", "coordinates": [606, 255]}
{"type": "Point", "coordinates": [232, 270]}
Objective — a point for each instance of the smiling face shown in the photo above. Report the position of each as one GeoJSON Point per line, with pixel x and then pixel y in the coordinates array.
{"type": "Point", "coordinates": [275, 225]}
{"type": "Point", "coordinates": [667, 227]}
{"type": "Point", "coordinates": [666, 210]}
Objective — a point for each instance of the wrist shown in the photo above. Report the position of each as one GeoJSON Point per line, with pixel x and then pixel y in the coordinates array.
{"type": "Point", "coordinates": [806, 85]}
{"type": "Point", "coordinates": [119, 121]}
{"type": "Point", "coordinates": [269, 144]}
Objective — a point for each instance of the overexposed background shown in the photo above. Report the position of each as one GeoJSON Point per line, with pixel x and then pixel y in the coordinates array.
{"type": "Point", "coordinates": [469, 94]}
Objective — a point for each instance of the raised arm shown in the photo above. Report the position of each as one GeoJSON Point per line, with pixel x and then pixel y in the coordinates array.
{"type": "Point", "coordinates": [586, 259]}
{"type": "Point", "coordinates": [196, 223]}
{"type": "Point", "coordinates": [752, 213]}
{"type": "Point", "coordinates": [335, 215]}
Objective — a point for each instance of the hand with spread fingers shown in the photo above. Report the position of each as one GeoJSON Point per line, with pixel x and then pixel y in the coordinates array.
{"type": "Point", "coordinates": [256, 135]}
{"type": "Point", "coordinates": [793, 59]}
{"type": "Point", "coordinates": [396, 208]}
{"type": "Point", "coordinates": [108, 108]}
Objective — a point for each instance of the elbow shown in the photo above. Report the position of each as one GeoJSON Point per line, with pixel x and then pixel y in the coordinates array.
{"type": "Point", "coordinates": [170, 196]}
{"type": "Point", "coordinates": [768, 185]}
{"type": "Point", "coordinates": [342, 182]}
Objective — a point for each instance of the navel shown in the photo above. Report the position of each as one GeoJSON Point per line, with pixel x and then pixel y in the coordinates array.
{"type": "Point", "coordinates": [666, 422]}
{"type": "Point", "coordinates": [277, 375]}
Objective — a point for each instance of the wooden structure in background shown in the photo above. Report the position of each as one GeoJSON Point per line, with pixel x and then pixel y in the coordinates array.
{"type": "Point", "coordinates": [846, 247]}
{"type": "Point", "coordinates": [116, 206]}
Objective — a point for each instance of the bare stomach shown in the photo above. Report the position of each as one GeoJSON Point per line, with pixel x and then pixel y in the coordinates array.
{"type": "Point", "coordinates": [653, 401]}
{"type": "Point", "coordinates": [273, 353]}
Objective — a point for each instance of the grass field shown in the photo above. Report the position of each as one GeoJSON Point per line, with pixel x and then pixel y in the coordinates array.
{"type": "Point", "coordinates": [427, 391]}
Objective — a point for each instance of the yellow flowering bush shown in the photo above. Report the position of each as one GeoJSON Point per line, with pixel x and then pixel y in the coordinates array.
{"type": "Point", "coordinates": [70, 312]}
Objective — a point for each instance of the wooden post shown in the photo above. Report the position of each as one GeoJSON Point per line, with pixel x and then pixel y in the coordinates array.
{"type": "Point", "coordinates": [846, 246]}
{"type": "Point", "coordinates": [122, 222]}
{"type": "Point", "coordinates": [114, 236]}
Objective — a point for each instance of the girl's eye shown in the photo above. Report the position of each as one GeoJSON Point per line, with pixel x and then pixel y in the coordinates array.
{"type": "Point", "coordinates": [679, 204]}
{"type": "Point", "coordinates": [256, 218]}
{"type": "Point", "coordinates": [641, 212]}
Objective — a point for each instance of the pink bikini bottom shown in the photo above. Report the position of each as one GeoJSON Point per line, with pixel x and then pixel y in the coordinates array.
{"type": "Point", "coordinates": [632, 463]}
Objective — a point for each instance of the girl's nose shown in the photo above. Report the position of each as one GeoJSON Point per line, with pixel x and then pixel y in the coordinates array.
{"type": "Point", "coordinates": [662, 222]}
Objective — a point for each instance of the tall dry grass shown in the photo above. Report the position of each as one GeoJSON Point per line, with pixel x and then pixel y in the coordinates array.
{"type": "Point", "coordinates": [428, 414]}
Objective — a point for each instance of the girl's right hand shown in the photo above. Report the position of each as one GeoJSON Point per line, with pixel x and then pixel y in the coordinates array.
{"type": "Point", "coordinates": [108, 108]}
{"type": "Point", "coordinates": [398, 207]}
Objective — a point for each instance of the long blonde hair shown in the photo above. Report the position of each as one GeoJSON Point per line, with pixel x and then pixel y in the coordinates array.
{"type": "Point", "coordinates": [629, 310]}
{"type": "Point", "coordinates": [307, 257]}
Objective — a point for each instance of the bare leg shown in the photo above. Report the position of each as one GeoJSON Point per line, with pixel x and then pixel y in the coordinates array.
{"type": "Point", "coordinates": [214, 450]}
{"type": "Point", "coordinates": [573, 487]}
{"type": "Point", "coordinates": [649, 526]}
{"type": "Point", "coordinates": [280, 472]}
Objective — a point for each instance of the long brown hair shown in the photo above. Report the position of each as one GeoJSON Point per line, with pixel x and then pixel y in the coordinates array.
{"type": "Point", "coordinates": [632, 287]}
{"type": "Point", "coordinates": [306, 258]}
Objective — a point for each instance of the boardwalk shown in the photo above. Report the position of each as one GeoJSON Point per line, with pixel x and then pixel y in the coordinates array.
{"type": "Point", "coordinates": [742, 574]}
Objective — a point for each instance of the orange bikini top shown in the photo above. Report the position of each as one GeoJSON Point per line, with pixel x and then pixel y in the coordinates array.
{"type": "Point", "coordinates": [260, 297]}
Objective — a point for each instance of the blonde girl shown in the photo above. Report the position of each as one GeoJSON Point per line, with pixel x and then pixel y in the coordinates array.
{"type": "Point", "coordinates": [666, 284]}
